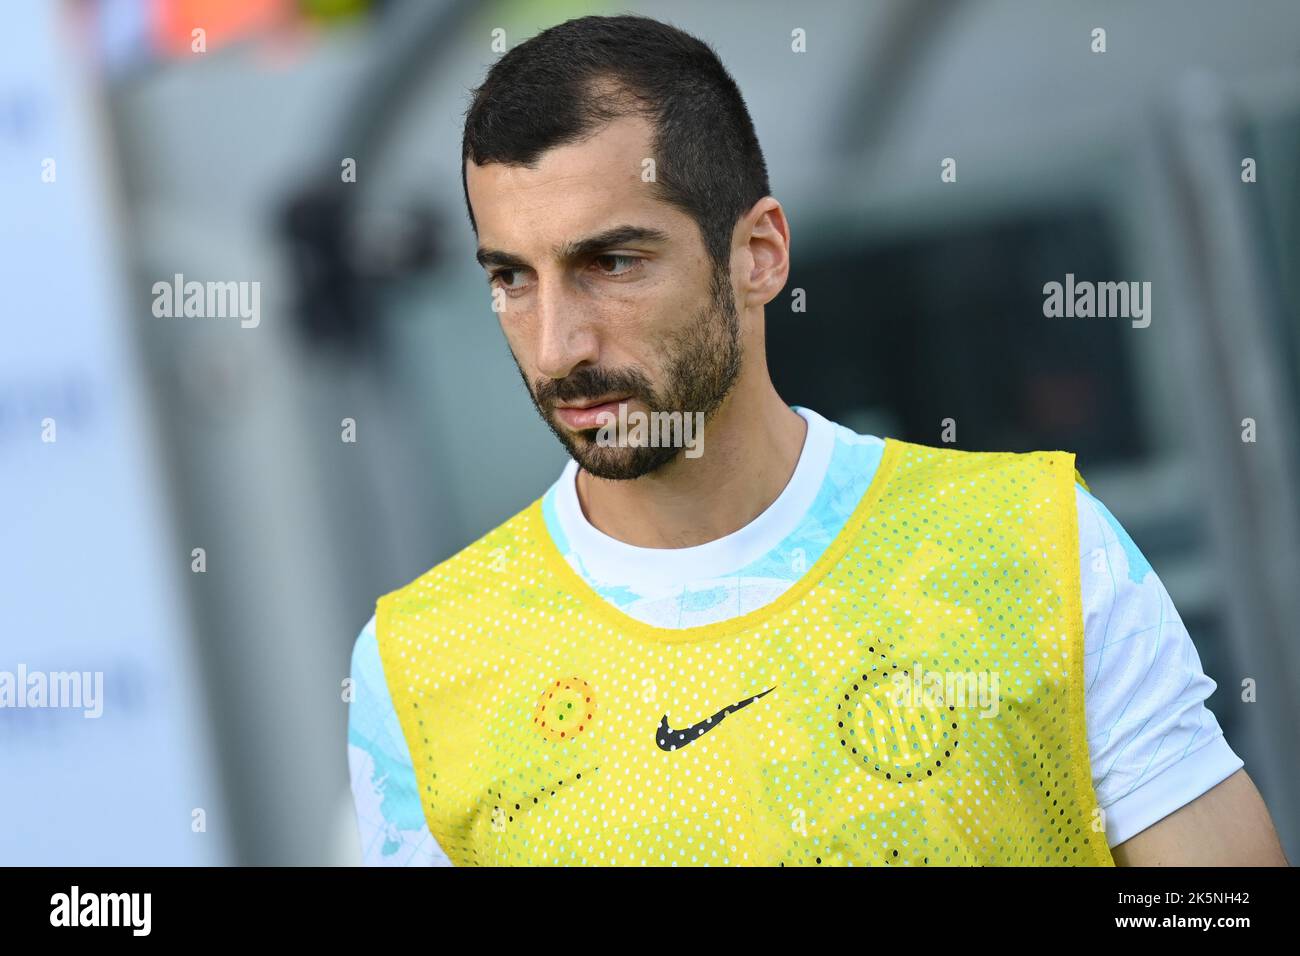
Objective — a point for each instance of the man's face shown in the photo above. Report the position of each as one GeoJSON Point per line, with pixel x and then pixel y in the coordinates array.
{"type": "Point", "coordinates": [606, 294]}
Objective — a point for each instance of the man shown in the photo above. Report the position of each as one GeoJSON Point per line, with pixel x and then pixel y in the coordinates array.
{"type": "Point", "coordinates": [787, 644]}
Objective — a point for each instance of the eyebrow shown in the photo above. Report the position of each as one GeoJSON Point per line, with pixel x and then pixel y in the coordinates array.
{"type": "Point", "coordinates": [580, 248]}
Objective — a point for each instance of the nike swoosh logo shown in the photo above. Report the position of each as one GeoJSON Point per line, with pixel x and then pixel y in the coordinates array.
{"type": "Point", "coordinates": [669, 739]}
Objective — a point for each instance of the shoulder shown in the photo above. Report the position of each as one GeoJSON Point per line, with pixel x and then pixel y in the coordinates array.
{"type": "Point", "coordinates": [1100, 531]}
{"type": "Point", "coordinates": [486, 554]}
{"type": "Point", "coordinates": [370, 704]}
{"type": "Point", "coordinates": [369, 683]}
{"type": "Point", "coordinates": [365, 663]}
{"type": "Point", "coordinates": [947, 455]}
{"type": "Point", "coordinates": [992, 475]}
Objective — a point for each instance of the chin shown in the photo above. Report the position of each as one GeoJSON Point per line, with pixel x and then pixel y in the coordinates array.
{"type": "Point", "coordinates": [619, 464]}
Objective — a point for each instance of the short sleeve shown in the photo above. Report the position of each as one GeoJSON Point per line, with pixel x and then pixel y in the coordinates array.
{"type": "Point", "coordinates": [390, 816]}
{"type": "Point", "coordinates": [1154, 744]}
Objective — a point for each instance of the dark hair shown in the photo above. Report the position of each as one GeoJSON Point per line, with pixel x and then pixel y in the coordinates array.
{"type": "Point", "coordinates": [571, 79]}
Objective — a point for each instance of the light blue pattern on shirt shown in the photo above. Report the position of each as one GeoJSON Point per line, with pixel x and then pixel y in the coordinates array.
{"type": "Point", "coordinates": [390, 815]}
{"type": "Point", "coordinates": [1138, 566]}
{"type": "Point", "coordinates": [852, 466]}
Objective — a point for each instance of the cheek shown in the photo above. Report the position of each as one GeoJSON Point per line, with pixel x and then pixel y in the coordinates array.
{"type": "Point", "coordinates": [516, 323]}
{"type": "Point", "coordinates": [640, 330]}
{"type": "Point", "coordinates": [519, 340]}
{"type": "Point", "coordinates": [671, 312]}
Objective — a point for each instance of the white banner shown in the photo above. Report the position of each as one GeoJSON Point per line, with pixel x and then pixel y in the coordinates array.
{"type": "Point", "coordinates": [105, 748]}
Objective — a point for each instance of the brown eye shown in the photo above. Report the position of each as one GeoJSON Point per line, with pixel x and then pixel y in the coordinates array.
{"type": "Point", "coordinates": [608, 264]}
{"type": "Point", "coordinates": [503, 278]}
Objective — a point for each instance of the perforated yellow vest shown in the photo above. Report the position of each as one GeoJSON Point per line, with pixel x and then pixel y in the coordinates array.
{"type": "Point", "coordinates": [915, 698]}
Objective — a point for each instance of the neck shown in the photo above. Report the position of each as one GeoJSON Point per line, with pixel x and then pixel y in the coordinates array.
{"type": "Point", "coordinates": [751, 447]}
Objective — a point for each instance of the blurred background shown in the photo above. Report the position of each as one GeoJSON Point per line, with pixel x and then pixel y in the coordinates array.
{"type": "Point", "coordinates": [129, 155]}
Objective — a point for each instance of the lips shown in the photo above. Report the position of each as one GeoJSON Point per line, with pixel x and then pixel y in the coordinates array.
{"type": "Point", "coordinates": [589, 415]}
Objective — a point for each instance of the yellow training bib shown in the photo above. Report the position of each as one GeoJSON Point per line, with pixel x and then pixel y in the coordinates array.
{"type": "Point", "coordinates": [915, 698]}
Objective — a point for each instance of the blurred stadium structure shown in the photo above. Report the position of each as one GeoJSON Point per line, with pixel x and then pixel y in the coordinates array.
{"type": "Point", "coordinates": [924, 298]}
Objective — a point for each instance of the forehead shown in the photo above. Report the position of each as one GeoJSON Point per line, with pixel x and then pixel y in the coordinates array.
{"type": "Point", "coordinates": [573, 190]}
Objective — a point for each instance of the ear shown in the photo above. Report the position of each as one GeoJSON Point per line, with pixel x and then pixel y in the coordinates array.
{"type": "Point", "coordinates": [764, 235]}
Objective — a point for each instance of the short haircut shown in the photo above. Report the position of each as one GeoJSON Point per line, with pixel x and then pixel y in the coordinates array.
{"type": "Point", "coordinates": [567, 82]}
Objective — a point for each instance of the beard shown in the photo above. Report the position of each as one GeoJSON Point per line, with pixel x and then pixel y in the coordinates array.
{"type": "Point", "coordinates": [701, 364]}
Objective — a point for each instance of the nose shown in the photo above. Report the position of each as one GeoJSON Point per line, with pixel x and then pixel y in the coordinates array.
{"type": "Point", "coordinates": [566, 332]}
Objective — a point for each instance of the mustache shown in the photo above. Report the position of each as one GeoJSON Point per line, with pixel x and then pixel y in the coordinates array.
{"type": "Point", "coordinates": [589, 383]}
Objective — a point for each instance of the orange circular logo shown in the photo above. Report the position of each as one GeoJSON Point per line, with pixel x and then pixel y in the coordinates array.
{"type": "Point", "coordinates": [565, 709]}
